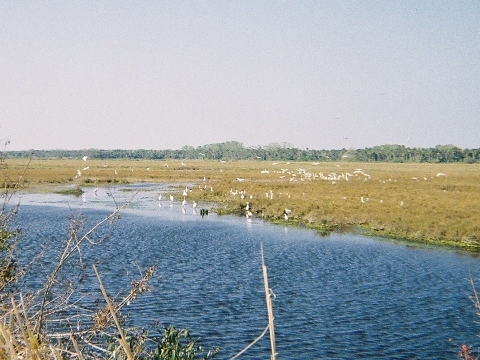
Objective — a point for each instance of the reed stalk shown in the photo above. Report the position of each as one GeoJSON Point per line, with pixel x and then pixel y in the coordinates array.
{"type": "Point", "coordinates": [113, 312]}
{"type": "Point", "coordinates": [268, 298]}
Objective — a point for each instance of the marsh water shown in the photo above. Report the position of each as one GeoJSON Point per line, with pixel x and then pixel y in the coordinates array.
{"type": "Point", "coordinates": [337, 296]}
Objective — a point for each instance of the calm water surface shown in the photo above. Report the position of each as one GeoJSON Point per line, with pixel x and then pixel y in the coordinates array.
{"type": "Point", "coordinates": [337, 297]}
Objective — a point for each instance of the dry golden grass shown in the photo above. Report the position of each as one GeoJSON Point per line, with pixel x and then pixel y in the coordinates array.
{"type": "Point", "coordinates": [423, 202]}
{"type": "Point", "coordinates": [20, 337]}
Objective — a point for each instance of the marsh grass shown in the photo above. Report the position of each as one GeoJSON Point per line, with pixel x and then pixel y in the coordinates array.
{"type": "Point", "coordinates": [434, 203]}
{"type": "Point", "coordinates": [76, 191]}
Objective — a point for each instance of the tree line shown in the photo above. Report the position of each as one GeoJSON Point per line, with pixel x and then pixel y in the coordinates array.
{"type": "Point", "coordinates": [233, 150]}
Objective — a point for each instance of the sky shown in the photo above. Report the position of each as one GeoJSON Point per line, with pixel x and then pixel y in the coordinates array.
{"type": "Point", "coordinates": [311, 74]}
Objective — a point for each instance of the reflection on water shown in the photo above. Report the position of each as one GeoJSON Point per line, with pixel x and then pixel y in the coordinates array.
{"type": "Point", "coordinates": [340, 296]}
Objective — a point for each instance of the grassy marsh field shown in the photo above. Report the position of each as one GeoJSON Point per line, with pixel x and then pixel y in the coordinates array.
{"type": "Point", "coordinates": [433, 203]}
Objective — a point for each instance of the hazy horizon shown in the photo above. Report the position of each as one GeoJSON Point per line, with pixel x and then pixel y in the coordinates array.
{"type": "Point", "coordinates": [262, 146]}
{"type": "Point", "coordinates": [162, 75]}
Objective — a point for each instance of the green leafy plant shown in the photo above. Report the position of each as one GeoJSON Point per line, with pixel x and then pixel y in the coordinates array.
{"type": "Point", "coordinates": [169, 344]}
{"type": "Point", "coordinates": [179, 345]}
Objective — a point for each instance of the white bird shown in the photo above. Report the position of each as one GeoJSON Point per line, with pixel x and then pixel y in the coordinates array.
{"type": "Point", "coordinates": [160, 197]}
{"type": "Point", "coordinates": [240, 179]}
{"type": "Point", "coordinates": [79, 173]}
{"type": "Point", "coordinates": [184, 202]}
{"type": "Point", "coordinates": [171, 198]}
{"type": "Point", "coordinates": [86, 168]}
{"type": "Point", "coordinates": [288, 211]}
{"type": "Point", "coordinates": [85, 158]}
{"type": "Point", "coordinates": [248, 214]}
{"type": "Point", "coordinates": [95, 191]}
{"type": "Point", "coordinates": [194, 205]}
{"type": "Point", "coordinates": [184, 211]}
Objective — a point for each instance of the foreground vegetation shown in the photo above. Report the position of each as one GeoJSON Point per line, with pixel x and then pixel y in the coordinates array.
{"type": "Point", "coordinates": [434, 203]}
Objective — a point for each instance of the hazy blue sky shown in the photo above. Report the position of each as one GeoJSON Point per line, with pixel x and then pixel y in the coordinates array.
{"type": "Point", "coordinates": [164, 74]}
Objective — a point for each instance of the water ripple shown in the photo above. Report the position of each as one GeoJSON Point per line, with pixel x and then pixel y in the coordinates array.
{"type": "Point", "coordinates": [342, 296]}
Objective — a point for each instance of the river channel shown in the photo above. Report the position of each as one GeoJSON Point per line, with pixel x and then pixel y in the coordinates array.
{"type": "Point", "coordinates": [336, 297]}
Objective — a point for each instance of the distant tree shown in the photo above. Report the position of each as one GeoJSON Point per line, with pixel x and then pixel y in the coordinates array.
{"type": "Point", "coordinates": [234, 150]}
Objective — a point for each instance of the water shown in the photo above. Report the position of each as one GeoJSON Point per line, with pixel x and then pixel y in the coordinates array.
{"type": "Point", "coordinates": [341, 296]}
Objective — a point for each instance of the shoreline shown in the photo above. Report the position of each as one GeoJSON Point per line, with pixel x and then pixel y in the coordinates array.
{"type": "Point", "coordinates": [322, 229]}
{"type": "Point", "coordinates": [326, 229]}
{"type": "Point", "coordinates": [436, 204]}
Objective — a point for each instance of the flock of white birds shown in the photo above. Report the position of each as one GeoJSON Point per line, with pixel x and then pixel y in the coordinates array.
{"type": "Point", "coordinates": [297, 175]}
